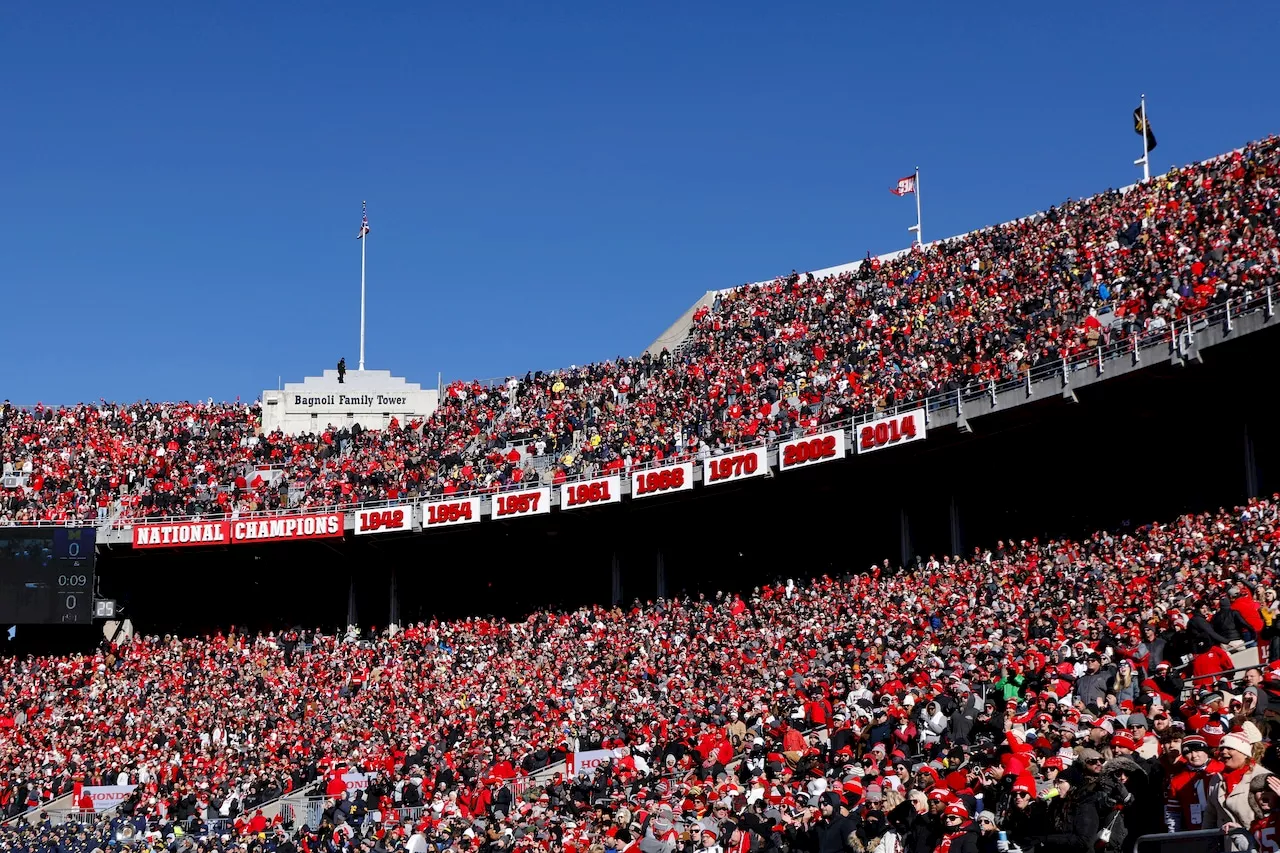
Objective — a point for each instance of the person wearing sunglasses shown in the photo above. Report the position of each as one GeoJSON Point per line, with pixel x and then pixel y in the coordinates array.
{"type": "Point", "coordinates": [1072, 823]}
{"type": "Point", "coordinates": [1027, 812]}
{"type": "Point", "coordinates": [989, 834]}
{"type": "Point", "coordinates": [959, 835]}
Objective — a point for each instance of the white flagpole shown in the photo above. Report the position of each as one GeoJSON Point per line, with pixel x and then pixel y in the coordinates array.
{"type": "Point", "coordinates": [1146, 155]}
{"type": "Point", "coordinates": [364, 238]}
{"type": "Point", "coordinates": [919, 233]}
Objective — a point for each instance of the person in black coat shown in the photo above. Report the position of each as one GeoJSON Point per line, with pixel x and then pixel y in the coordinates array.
{"type": "Point", "coordinates": [959, 835]}
{"type": "Point", "coordinates": [1199, 627]}
{"type": "Point", "coordinates": [827, 832]}
{"type": "Point", "coordinates": [916, 826]}
{"type": "Point", "coordinates": [1230, 623]}
{"type": "Point", "coordinates": [1027, 813]}
{"type": "Point", "coordinates": [1073, 816]}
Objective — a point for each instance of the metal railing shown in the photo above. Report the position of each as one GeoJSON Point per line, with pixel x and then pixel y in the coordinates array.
{"type": "Point", "coordinates": [1175, 337]}
{"type": "Point", "coordinates": [1237, 840]}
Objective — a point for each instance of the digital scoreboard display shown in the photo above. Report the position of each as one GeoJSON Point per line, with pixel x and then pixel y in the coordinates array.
{"type": "Point", "coordinates": [46, 575]}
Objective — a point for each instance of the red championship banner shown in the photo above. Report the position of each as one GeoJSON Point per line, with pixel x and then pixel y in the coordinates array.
{"type": "Point", "coordinates": [662, 480]}
{"type": "Point", "coordinates": [527, 502]}
{"type": "Point", "coordinates": [387, 519]}
{"type": "Point", "coordinates": [890, 432]}
{"type": "Point", "coordinates": [181, 534]}
{"type": "Point", "coordinates": [288, 528]}
{"type": "Point", "coordinates": [601, 490]}
{"type": "Point", "coordinates": [449, 512]}
{"type": "Point", "coordinates": [738, 465]}
{"type": "Point", "coordinates": [799, 452]}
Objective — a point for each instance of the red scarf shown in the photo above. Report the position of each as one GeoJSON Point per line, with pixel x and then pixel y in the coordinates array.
{"type": "Point", "coordinates": [1231, 778]}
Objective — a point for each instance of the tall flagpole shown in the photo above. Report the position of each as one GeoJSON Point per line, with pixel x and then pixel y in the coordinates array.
{"type": "Point", "coordinates": [364, 239]}
{"type": "Point", "coordinates": [1146, 155]}
{"type": "Point", "coordinates": [919, 233]}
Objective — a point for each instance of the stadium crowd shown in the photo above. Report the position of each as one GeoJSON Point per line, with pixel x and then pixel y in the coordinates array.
{"type": "Point", "coordinates": [762, 361]}
{"type": "Point", "coordinates": [1066, 696]}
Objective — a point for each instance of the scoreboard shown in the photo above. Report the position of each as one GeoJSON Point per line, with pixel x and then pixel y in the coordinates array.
{"type": "Point", "coordinates": [46, 575]}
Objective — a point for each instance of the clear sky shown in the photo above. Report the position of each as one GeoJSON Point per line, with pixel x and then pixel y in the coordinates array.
{"type": "Point", "coordinates": [548, 184]}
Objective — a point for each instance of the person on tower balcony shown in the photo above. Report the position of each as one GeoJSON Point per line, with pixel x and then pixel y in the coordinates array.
{"type": "Point", "coordinates": [342, 369]}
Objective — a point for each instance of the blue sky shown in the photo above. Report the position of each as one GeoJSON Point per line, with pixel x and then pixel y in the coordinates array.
{"type": "Point", "coordinates": [548, 183]}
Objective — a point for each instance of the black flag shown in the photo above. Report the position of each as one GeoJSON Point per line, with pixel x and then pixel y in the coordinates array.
{"type": "Point", "coordinates": [1138, 129]}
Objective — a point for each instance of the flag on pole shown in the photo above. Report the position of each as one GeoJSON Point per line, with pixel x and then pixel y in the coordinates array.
{"type": "Point", "coordinates": [906, 186]}
{"type": "Point", "coordinates": [364, 220]}
{"type": "Point", "coordinates": [1140, 126]}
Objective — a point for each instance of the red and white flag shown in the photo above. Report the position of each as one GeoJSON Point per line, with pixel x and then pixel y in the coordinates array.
{"type": "Point", "coordinates": [906, 186]}
{"type": "Point", "coordinates": [364, 220]}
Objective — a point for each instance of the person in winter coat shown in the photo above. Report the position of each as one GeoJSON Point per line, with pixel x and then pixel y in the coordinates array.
{"type": "Point", "coordinates": [1230, 804]}
{"type": "Point", "coordinates": [1200, 626]}
{"type": "Point", "coordinates": [1073, 819]}
{"type": "Point", "coordinates": [1125, 683]}
{"type": "Point", "coordinates": [1091, 688]}
{"type": "Point", "coordinates": [828, 830]}
{"type": "Point", "coordinates": [933, 725]}
{"type": "Point", "coordinates": [1027, 813]}
{"type": "Point", "coordinates": [959, 835]}
{"type": "Point", "coordinates": [989, 834]}
{"type": "Point", "coordinates": [1229, 622]}
{"type": "Point", "coordinates": [917, 828]}
{"type": "Point", "coordinates": [873, 834]}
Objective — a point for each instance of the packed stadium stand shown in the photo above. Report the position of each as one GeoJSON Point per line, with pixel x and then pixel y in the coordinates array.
{"type": "Point", "coordinates": [1046, 688]}
{"type": "Point", "coordinates": [760, 362]}
{"type": "Point", "coordinates": [1063, 694]}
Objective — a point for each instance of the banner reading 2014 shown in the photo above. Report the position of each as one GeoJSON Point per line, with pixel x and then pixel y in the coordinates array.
{"type": "Point", "coordinates": [891, 431]}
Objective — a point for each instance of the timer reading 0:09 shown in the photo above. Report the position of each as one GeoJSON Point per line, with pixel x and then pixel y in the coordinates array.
{"type": "Point", "coordinates": [73, 580]}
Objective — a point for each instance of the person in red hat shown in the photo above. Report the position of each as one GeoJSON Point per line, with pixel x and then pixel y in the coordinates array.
{"type": "Point", "coordinates": [1027, 812]}
{"type": "Point", "coordinates": [958, 832]}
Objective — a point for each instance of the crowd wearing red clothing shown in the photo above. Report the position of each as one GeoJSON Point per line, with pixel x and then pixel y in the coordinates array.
{"type": "Point", "coordinates": [764, 361]}
{"type": "Point", "coordinates": [1046, 688]}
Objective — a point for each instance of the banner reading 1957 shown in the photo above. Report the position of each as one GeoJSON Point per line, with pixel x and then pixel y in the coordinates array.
{"type": "Point", "coordinates": [526, 502]}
